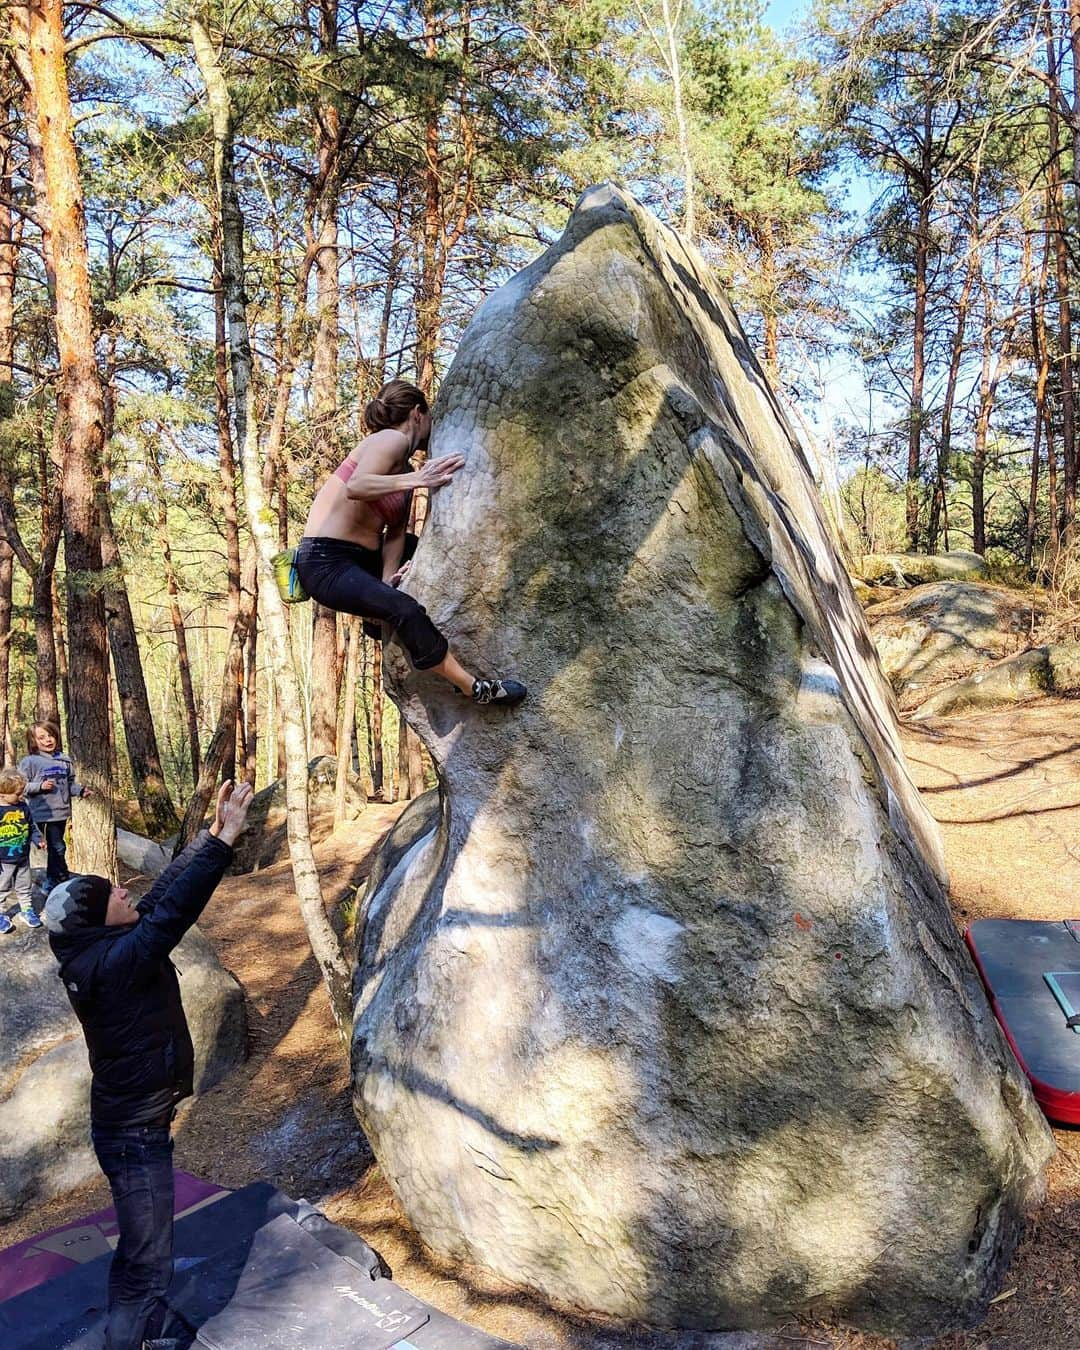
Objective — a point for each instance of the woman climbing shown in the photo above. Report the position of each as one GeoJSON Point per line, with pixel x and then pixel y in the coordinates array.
{"type": "Point", "coordinates": [350, 558]}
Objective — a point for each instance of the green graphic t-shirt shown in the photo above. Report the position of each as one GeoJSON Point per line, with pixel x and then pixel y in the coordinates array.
{"type": "Point", "coordinates": [15, 825]}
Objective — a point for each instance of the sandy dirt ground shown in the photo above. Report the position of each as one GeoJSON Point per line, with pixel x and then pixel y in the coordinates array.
{"type": "Point", "coordinates": [1005, 787]}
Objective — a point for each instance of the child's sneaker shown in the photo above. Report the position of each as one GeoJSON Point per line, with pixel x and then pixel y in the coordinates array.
{"type": "Point", "coordinates": [6, 926]}
{"type": "Point", "coordinates": [30, 918]}
{"type": "Point", "coordinates": [505, 692]}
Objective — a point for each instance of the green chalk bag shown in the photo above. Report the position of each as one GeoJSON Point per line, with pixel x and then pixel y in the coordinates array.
{"type": "Point", "coordinates": [288, 583]}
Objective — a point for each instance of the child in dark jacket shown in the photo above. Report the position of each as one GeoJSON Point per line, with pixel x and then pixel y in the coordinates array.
{"type": "Point", "coordinates": [16, 831]}
{"type": "Point", "coordinates": [114, 963]}
{"type": "Point", "coordinates": [50, 786]}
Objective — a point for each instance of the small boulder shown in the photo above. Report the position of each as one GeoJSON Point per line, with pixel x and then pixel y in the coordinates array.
{"type": "Point", "coordinates": [1017, 679]}
{"type": "Point", "coordinates": [1063, 660]}
{"type": "Point", "coordinates": [141, 855]}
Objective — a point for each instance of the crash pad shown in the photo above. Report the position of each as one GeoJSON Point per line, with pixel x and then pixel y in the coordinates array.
{"type": "Point", "coordinates": [1031, 969]}
{"type": "Point", "coordinates": [58, 1250]}
{"type": "Point", "coordinates": [255, 1270]}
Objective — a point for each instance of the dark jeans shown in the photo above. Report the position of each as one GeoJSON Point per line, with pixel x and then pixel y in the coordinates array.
{"type": "Point", "coordinates": [137, 1160]}
{"type": "Point", "coordinates": [56, 850]}
{"type": "Point", "coordinates": [347, 578]}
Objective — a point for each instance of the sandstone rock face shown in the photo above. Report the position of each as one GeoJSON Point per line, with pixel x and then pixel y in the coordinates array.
{"type": "Point", "coordinates": [44, 1072]}
{"type": "Point", "coordinates": [659, 1007]}
{"type": "Point", "coordinates": [933, 635]}
{"type": "Point", "coordinates": [1017, 679]}
{"type": "Point", "coordinates": [265, 840]}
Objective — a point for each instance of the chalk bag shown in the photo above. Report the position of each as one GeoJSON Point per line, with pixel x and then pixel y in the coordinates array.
{"type": "Point", "coordinates": [288, 583]}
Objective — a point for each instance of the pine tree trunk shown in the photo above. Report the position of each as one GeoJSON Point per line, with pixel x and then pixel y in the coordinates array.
{"type": "Point", "coordinates": [225, 730]}
{"type": "Point", "coordinates": [148, 778]}
{"type": "Point", "coordinates": [324, 942]}
{"type": "Point", "coordinates": [937, 506]}
{"type": "Point", "coordinates": [348, 719]}
{"type": "Point", "coordinates": [176, 618]}
{"type": "Point", "coordinates": [81, 421]}
{"type": "Point", "coordinates": [918, 356]}
{"type": "Point", "coordinates": [324, 389]}
{"type": "Point", "coordinates": [8, 254]}
{"type": "Point", "coordinates": [43, 591]}
{"type": "Point", "coordinates": [251, 696]}
{"type": "Point", "coordinates": [1061, 260]}
{"type": "Point", "coordinates": [378, 776]}
{"type": "Point", "coordinates": [7, 574]}
{"type": "Point", "coordinates": [230, 511]}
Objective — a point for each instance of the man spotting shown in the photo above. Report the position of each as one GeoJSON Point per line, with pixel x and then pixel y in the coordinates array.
{"type": "Point", "coordinates": [114, 962]}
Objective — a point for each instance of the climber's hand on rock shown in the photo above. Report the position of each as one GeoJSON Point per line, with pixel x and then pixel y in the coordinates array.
{"type": "Point", "coordinates": [399, 575]}
{"type": "Point", "coordinates": [437, 473]}
{"type": "Point", "coordinates": [234, 811]}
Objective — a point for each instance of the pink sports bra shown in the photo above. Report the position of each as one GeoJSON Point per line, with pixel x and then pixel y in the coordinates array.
{"type": "Point", "coordinates": [392, 508]}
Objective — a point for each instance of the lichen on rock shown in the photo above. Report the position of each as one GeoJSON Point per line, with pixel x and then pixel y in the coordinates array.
{"type": "Point", "coordinates": [659, 1007]}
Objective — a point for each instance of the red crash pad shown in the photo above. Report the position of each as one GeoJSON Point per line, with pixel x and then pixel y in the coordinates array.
{"type": "Point", "coordinates": [1031, 970]}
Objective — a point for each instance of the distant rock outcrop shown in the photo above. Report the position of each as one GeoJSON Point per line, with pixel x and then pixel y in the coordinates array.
{"type": "Point", "coordinates": [1017, 679]}
{"type": "Point", "coordinates": [660, 1009]}
{"type": "Point", "coordinates": [928, 637]}
{"type": "Point", "coordinates": [918, 569]}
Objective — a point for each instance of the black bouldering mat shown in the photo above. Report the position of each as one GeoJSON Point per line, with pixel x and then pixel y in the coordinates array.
{"type": "Point", "coordinates": [281, 1288]}
{"type": "Point", "coordinates": [1031, 970]}
{"type": "Point", "coordinates": [254, 1249]}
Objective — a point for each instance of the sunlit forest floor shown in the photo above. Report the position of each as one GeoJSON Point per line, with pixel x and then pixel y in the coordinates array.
{"type": "Point", "coordinates": [1005, 787]}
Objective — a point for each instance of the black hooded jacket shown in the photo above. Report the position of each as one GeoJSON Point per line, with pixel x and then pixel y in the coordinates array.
{"type": "Point", "coordinates": [125, 993]}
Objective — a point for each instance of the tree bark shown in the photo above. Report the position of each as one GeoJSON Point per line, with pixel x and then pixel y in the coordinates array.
{"type": "Point", "coordinates": [918, 355]}
{"type": "Point", "coordinates": [325, 944]}
{"type": "Point", "coordinates": [230, 511]}
{"type": "Point", "coordinates": [378, 775]}
{"type": "Point", "coordinates": [148, 778]}
{"type": "Point", "coordinates": [8, 253]}
{"type": "Point", "coordinates": [348, 718]}
{"type": "Point", "coordinates": [7, 573]}
{"type": "Point", "coordinates": [224, 735]}
{"type": "Point", "coordinates": [324, 385]}
{"type": "Point", "coordinates": [176, 618]}
{"type": "Point", "coordinates": [937, 506]}
{"type": "Point", "coordinates": [1061, 270]}
{"type": "Point", "coordinates": [81, 422]}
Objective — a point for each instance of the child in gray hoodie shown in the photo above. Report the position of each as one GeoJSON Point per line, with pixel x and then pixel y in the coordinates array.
{"type": "Point", "coordinates": [50, 786]}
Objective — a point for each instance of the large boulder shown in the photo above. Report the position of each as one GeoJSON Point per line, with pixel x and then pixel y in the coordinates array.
{"type": "Point", "coordinates": [44, 1071]}
{"type": "Point", "coordinates": [932, 635]}
{"type": "Point", "coordinates": [266, 839]}
{"type": "Point", "coordinates": [918, 569]}
{"type": "Point", "coordinates": [660, 1009]}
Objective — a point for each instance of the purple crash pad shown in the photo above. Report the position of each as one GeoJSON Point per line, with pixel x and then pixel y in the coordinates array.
{"type": "Point", "coordinates": [58, 1250]}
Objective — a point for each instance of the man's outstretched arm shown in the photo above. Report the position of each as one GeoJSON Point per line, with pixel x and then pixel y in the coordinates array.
{"type": "Point", "coordinates": [165, 878]}
{"type": "Point", "coordinates": [161, 928]}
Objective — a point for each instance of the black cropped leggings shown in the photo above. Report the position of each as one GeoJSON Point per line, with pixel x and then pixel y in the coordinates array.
{"type": "Point", "coordinates": [348, 578]}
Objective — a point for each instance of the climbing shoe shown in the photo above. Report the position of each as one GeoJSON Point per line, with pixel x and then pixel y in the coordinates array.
{"type": "Point", "coordinates": [504, 692]}
{"type": "Point", "coordinates": [30, 918]}
{"type": "Point", "coordinates": [6, 926]}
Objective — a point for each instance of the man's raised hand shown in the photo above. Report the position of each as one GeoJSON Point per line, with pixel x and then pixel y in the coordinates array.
{"type": "Point", "coordinates": [232, 810]}
{"type": "Point", "coordinates": [224, 792]}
